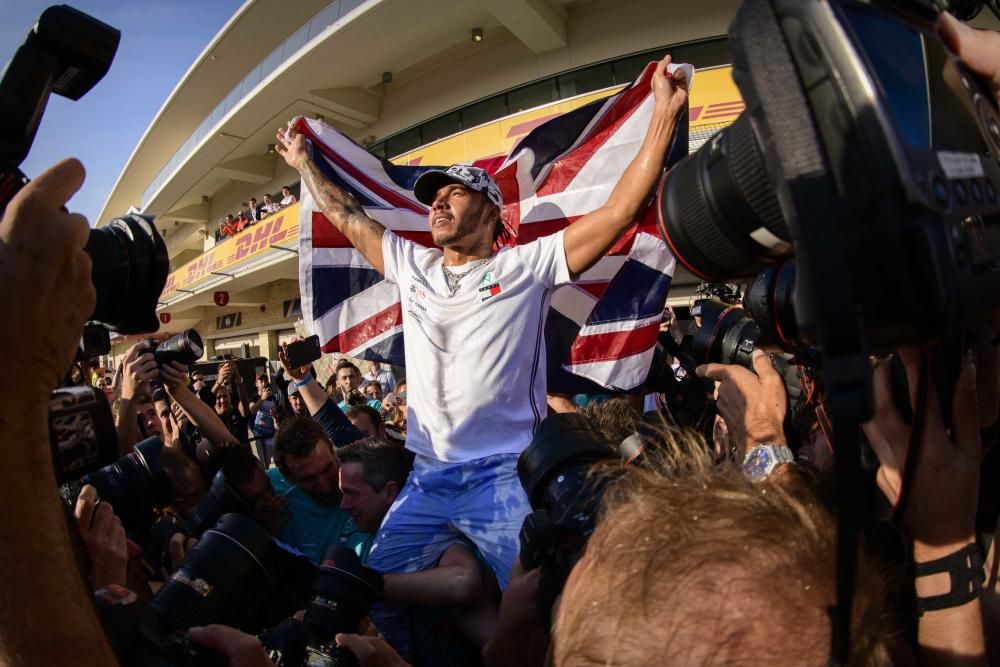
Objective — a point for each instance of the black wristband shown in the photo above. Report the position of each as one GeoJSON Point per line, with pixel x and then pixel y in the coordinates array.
{"type": "Point", "coordinates": [965, 569]}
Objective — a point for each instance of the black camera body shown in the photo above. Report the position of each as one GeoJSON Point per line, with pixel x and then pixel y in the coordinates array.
{"type": "Point", "coordinates": [868, 147]}
{"type": "Point", "coordinates": [342, 595]}
{"type": "Point", "coordinates": [556, 473]}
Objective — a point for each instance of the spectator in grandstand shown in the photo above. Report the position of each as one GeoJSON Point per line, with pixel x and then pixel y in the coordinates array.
{"type": "Point", "coordinates": [381, 375]}
{"type": "Point", "coordinates": [268, 207]}
{"type": "Point", "coordinates": [287, 198]}
{"type": "Point", "coordinates": [254, 210]}
{"type": "Point", "coordinates": [228, 226]}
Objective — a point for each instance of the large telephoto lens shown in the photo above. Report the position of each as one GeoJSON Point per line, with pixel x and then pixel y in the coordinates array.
{"type": "Point", "coordinates": [134, 486]}
{"type": "Point", "coordinates": [769, 300]}
{"type": "Point", "coordinates": [129, 268]}
{"type": "Point", "coordinates": [727, 334]}
{"type": "Point", "coordinates": [718, 210]}
{"type": "Point", "coordinates": [343, 593]}
{"type": "Point", "coordinates": [186, 347]}
{"type": "Point", "coordinates": [223, 579]}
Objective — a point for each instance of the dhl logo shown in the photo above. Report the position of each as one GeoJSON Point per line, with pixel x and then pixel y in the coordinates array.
{"type": "Point", "coordinates": [246, 244]}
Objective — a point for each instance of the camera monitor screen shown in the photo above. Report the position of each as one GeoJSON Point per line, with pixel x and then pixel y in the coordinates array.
{"type": "Point", "coordinates": [919, 82]}
{"type": "Point", "coordinates": [922, 88]}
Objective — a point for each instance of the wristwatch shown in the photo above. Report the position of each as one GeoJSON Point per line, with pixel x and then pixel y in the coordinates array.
{"type": "Point", "coordinates": [762, 459]}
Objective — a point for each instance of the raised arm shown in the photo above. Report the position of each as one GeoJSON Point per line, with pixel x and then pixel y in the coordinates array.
{"type": "Point", "coordinates": [340, 208]}
{"type": "Point", "coordinates": [590, 237]}
{"type": "Point", "coordinates": [199, 412]}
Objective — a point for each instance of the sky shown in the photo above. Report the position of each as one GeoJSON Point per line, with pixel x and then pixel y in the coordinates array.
{"type": "Point", "coordinates": [160, 40]}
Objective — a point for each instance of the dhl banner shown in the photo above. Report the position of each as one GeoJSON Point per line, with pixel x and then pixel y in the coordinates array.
{"type": "Point", "coordinates": [714, 99]}
{"type": "Point", "coordinates": [235, 251]}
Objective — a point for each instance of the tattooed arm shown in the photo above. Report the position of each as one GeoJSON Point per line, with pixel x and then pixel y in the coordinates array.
{"type": "Point", "coordinates": [340, 208]}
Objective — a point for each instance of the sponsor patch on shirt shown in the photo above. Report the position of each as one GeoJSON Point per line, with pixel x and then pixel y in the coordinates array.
{"type": "Point", "coordinates": [489, 290]}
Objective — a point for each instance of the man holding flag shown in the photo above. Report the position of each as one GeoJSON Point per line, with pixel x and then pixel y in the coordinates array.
{"type": "Point", "coordinates": [475, 356]}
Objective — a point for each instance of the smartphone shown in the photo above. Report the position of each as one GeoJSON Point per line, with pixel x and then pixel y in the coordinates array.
{"type": "Point", "coordinates": [303, 352]}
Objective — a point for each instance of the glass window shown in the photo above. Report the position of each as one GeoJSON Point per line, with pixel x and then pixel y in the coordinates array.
{"type": "Point", "coordinates": [532, 95]}
{"type": "Point", "coordinates": [440, 127]}
{"type": "Point", "coordinates": [627, 69]}
{"type": "Point", "coordinates": [585, 80]}
{"type": "Point", "coordinates": [484, 112]}
{"type": "Point", "coordinates": [402, 142]}
{"type": "Point", "coordinates": [708, 53]}
{"type": "Point", "coordinates": [377, 149]}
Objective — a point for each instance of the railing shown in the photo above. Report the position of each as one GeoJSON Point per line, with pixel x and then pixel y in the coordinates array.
{"type": "Point", "coordinates": [286, 50]}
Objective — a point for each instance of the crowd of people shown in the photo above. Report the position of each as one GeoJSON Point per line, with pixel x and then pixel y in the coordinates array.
{"type": "Point", "coordinates": [708, 545]}
{"type": "Point", "coordinates": [253, 212]}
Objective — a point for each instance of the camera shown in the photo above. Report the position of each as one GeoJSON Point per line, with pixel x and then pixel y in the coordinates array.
{"type": "Point", "coordinates": [135, 485]}
{"type": "Point", "coordinates": [67, 52]}
{"type": "Point", "coordinates": [82, 432]}
{"type": "Point", "coordinates": [186, 348]}
{"type": "Point", "coordinates": [343, 593]}
{"type": "Point", "coordinates": [229, 577]}
{"type": "Point", "coordinates": [556, 473]}
{"type": "Point", "coordinates": [869, 152]}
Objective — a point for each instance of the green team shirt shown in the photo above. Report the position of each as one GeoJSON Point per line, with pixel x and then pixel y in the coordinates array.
{"type": "Point", "coordinates": [312, 526]}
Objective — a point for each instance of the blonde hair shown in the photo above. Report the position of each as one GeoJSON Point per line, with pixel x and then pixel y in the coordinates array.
{"type": "Point", "coordinates": [691, 564]}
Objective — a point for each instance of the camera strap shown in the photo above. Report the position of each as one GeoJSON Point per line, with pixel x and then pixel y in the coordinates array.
{"type": "Point", "coordinates": [916, 431]}
{"type": "Point", "coordinates": [965, 570]}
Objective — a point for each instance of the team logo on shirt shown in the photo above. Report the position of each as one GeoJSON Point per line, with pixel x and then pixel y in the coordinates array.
{"type": "Point", "coordinates": [490, 290]}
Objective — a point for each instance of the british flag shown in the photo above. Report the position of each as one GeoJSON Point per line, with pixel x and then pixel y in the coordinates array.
{"type": "Point", "coordinates": [601, 330]}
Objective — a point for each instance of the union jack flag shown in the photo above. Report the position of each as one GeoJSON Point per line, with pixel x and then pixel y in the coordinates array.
{"type": "Point", "coordinates": [601, 330]}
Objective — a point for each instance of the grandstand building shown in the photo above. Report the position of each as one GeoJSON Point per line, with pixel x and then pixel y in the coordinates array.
{"type": "Point", "coordinates": [417, 81]}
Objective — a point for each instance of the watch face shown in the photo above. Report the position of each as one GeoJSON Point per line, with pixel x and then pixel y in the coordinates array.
{"type": "Point", "coordinates": [758, 464]}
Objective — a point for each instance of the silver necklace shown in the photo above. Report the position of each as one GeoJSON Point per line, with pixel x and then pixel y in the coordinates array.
{"type": "Point", "coordinates": [454, 280]}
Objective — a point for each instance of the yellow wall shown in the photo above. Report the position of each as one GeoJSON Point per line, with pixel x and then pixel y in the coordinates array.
{"type": "Point", "coordinates": [714, 99]}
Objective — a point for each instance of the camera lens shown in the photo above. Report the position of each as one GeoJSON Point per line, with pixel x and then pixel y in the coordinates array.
{"type": "Point", "coordinates": [224, 577]}
{"type": "Point", "coordinates": [130, 266]}
{"type": "Point", "coordinates": [134, 485]}
{"type": "Point", "coordinates": [718, 210]}
{"type": "Point", "coordinates": [769, 300]}
{"type": "Point", "coordinates": [727, 335]}
{"type": "Point", "coordinates": [343, 593]}
{"type": "Point", "coordinates": [220, 499]}
{"type": "Point", "coordinates": [186, 348]}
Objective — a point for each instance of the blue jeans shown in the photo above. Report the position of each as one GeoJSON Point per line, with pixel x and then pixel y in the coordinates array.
{"type": "Point", "coordinates": [481, 499]}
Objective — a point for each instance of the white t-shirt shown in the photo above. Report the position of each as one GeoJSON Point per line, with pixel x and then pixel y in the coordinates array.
{"type": "Point", "coordinates": [475, 362]}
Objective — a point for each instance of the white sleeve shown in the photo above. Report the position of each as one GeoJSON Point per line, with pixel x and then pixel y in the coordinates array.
{"type": "Point", "coordinates": [546, 258]}
{"type": "Point", "coordinates": [397, 254]}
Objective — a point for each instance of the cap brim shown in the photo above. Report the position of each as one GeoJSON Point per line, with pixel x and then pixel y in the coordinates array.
{"type": "Point", "coordinates": [428, 184]}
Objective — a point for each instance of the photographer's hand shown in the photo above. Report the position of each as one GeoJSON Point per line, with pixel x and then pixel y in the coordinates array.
{"type": "Point", "coordinates": [48, 295]}
{"type": "Point", "coordinates": [200, 414]}
{"type": "Point", "coordinates": [45, 276]}
{"type": "Point", "coordinates": [940, 514]}
{"type": "Point", "coordinates": [239, 648]}
{"type": "Point", "coordinates": [978, 49]}
{"type": "Point", "coordinates": [140, 368]}
{"type": "Point", "coordinates": [104, 537]}
{"type": "Point", "coordinates": [753, 405]}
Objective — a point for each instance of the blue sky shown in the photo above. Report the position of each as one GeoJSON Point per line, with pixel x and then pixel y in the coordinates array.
{"type": "Point", "coordinates": [160, 40]}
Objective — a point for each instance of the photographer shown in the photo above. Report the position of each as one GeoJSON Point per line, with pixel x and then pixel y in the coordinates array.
{"type": "Point", "coordinates": [208, 421]}
{"type": "Point", "coordinates": [229, 388]}
{"type": "Point", "coordinates": [139, 367]}
{"type": "Point", "coordinates": [43, 270]}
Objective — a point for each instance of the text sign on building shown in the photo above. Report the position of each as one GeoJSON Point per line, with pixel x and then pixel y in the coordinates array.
{"type": "Point", "coordinates": [281, 228]}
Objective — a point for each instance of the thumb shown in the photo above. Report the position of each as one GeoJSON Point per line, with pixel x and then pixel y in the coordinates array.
{"type": "Point", "coordinates": [979, 49]}
{"type": "Point", "coordinates": [763, 367]}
